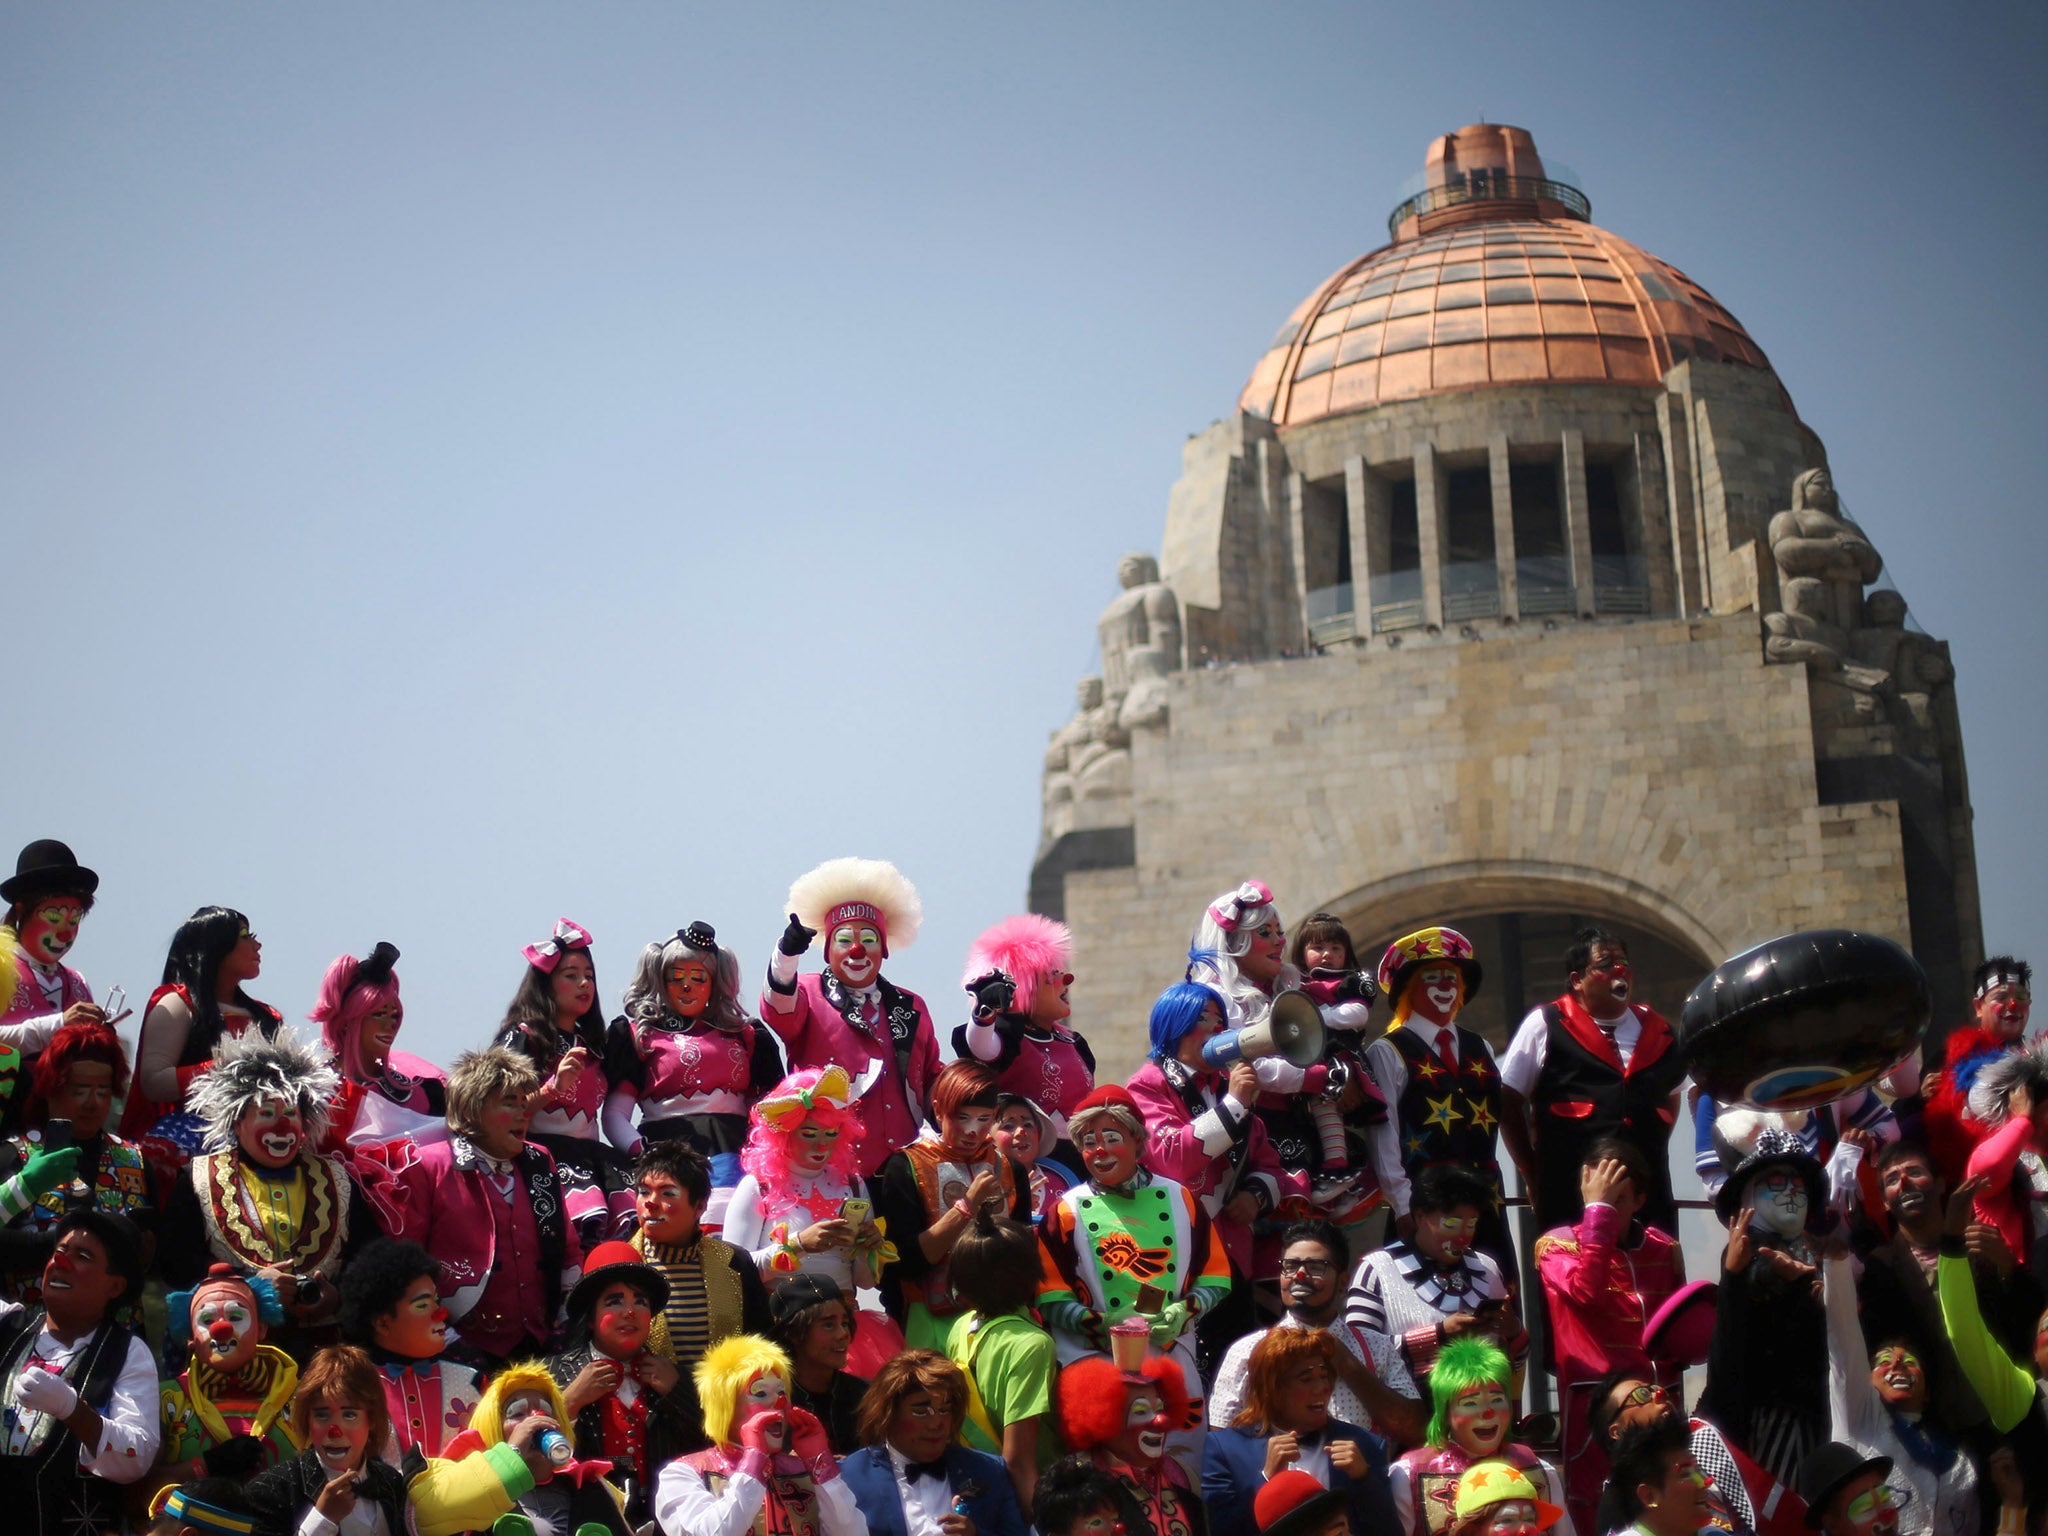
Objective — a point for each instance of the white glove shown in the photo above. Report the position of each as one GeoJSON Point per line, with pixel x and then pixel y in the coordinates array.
{"type": "Point", "coordinates": [45, 1392]}
{"type": "Point", "coordinates": [1278, 1075]}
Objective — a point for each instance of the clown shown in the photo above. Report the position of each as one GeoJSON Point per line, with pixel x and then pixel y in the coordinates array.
{"type": "Point", "coordinates": [1122, 1421]}
{"type": "Point", "coordinates": [850, 1014]}
{"type": "Point", "coordinates": [1240, 949]}
{"type": "Point", "coordinates": [687, 1056]}
{"type": "Point", "coordinates": [2001, 1003]}
{"type": "Point", "coordinates": [622, 1396]}
{"type": "Point", "coordinates": [1027, 1133]}
{"type": "Point", "coordinates": [769, 1470]}
{"type": "Point", "coordinates": [791, 1208]}
{"type": "Point", "coordinates": [930, 1193]}
{"type": "Point", "coordinates": [1470, 1389]}
{"type": "Point", "coordinates": [261, 1197]}
{"type": "Point", "coordinates": [487, 1204]}
{"type": "Point", "coordinates": [385, 1094]}
{"type": "Point", "coordinates": [1499, 1498]}
{"type": "Point", "coordinates": [1018, 973]}
{"type": "Point", "coordinates": [391, 1306]}
{"type": "Point", "coordinates": [1767, 1367]}
{"type": "Point", "coordinates": [78, 1391]}
{"type": "Point", "coordinates": [1878, 1405]}
{"type": "Point", "coordinates": [338, 1482]}
{"type": "Point", "coordinates": [556, 1023]}
{"type": "Point", "coordinates": [204, 999]}
{"type": "Point", "coordinates": [228, 1414]}
{"type": "Point", "coordinates": [76, 1078]}
{"type": "Point", "coordinates": [1439, 1079]}
{"type": "Point", "coordinates": [579, 1496]}
{"type": "Point", "coordinates": [1129, 1243]}
{"type": "Point", "coordinates": [47, 899]}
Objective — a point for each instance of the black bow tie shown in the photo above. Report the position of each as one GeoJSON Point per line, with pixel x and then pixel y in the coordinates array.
{"type": "Point", "coordinates": [935, 1470]}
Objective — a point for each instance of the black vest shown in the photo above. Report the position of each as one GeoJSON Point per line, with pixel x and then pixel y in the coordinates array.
{"type": "Point", "coordinates": [1446, 1118]}
{"type": "Point", "coordinates": [1580, 1098]}
{"type": "Point", "coordinates": [46, 1484]}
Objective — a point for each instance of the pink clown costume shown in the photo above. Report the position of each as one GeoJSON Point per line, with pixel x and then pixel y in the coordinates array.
{"type": "Point", "coordinates": [386, 1095]}
{"type": "Point", "coordinates": [686, 1056]}
{"type": "Point", "coordinates": [555, 1021]}
{"type": "Point", "coordinates": [1025, 1037]}
{"type": "Point", "coordinates": [849, 1014]}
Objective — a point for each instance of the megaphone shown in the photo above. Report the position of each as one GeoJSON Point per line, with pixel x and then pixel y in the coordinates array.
{"type": "Point", "coordinates": [1292, 1030]}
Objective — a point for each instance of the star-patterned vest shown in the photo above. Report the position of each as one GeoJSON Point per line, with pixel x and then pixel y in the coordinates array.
{"type": "Point", "coordinates": [1447, 1118]}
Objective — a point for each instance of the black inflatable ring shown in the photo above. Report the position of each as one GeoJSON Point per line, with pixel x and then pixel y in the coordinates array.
{"type": "Point", "coordinates": [1804, 1020]}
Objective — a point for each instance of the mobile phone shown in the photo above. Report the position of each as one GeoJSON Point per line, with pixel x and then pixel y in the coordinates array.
{"type": "Point", "coordinates": [57, 1135]}
{"type": "Point", "coordinates": [1151, 1299]}
{"type": "Point", "coordinates": [853, 1210]}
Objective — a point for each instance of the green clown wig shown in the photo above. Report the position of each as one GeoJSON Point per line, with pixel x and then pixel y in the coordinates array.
{"type": "Point", "coordinates": [1460, 1366]}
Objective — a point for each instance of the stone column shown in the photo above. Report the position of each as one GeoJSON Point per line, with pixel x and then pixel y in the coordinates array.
{"type": "Point", "coordinates": [1578, 531]}
{"type": "Point", "coordinates": [1294, 497]}
{"type": "Point", "coordinates": [1429, 529]}
{"type": "Point", "coordinates": [1358, 514]}
{"type": "Point", "coordinates": [1653, 520]}
{"type": "Point", "coordinates": [1504, 526]}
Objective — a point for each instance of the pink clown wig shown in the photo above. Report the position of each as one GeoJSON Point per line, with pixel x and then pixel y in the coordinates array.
{"type": "Point", "coordinates": [766, 1154]}
{"type": "Point", "coordinates": [1027, 949]}
{"type": "Point", "coordinates": [342, 1007]}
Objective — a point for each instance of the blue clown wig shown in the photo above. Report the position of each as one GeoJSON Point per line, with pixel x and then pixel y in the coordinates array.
{"type": "Point", "coordinates": [1178, 1010]}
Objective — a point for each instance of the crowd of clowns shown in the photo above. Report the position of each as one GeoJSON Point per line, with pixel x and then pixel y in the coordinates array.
{"type": "Point", "coordinates": [732, 1263]}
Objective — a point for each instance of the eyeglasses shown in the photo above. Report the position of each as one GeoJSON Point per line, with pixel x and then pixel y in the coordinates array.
{"type": "Point", "coordinates": [1642, 1395]}
{"type": "Point", "coordinates": [1314, 1268]}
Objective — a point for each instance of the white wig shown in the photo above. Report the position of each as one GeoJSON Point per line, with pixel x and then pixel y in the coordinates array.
{"type": "Point", "coordinates": [1997, 1079]}
{"type": "Point", "coordinates": [249, 1070]}
{"type": "Point", "coordinates": [872, 882]}
{"type": "Point", "coordinates": [1213, 954]}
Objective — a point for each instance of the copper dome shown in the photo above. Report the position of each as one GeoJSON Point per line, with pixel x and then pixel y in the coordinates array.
{"type": "Point", "coordinates": [1494, 277]}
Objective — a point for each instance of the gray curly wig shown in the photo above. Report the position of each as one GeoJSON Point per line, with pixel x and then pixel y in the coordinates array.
{"type": "Point", "coordinates": [249, 1069]}
{"type": "Point", "coordinates": [1996, 1081]}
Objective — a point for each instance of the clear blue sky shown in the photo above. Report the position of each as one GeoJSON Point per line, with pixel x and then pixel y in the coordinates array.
{"type": "Point", "coordinates": [469, 463]}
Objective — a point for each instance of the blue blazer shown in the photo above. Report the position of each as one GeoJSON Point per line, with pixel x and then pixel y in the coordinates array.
{"type": "Point", "coordinates": [1234, 1470]}
{"type": "Point", "coordinates": [992, 1506]}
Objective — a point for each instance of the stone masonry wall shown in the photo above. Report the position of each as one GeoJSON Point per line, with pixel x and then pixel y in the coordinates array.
{"type": "Point", "coordinates": [1658, 772]}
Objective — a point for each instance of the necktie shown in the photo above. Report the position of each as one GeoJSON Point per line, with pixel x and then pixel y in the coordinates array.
{"type": "Point", "coordinates": [871, 1012]}
{"type": "Point", "coordinates": [935, 1470]}
{"type": "Point", "coordinates": [1447, 1049]}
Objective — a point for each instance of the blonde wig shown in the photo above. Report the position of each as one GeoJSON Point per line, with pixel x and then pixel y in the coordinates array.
{"type": "Point", "coordinates": [722, 1375]}
{"type": "Point", "coordinates": [873, 883]}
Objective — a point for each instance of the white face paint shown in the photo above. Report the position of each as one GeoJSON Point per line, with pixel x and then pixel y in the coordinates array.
{"type": "Point", "coordinates": [521, 1407]}
{"type": "Point", "coordinates": [1779, 1196]}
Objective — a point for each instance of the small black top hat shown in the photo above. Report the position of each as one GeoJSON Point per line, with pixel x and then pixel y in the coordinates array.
{"type": "Point", "coordinates": [1823, 1470]}
{"type": "Point", "coordinates": [48, 868]}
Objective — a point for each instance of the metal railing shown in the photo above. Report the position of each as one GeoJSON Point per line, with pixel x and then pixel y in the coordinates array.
{"type": "Point", "coordinates": [1471, 590]}
{"type": "Point", "coordinates": [1396, 601]}
{"type": "Point", "coordinates": [1543, 584]}
{"type": "Point", "coordinates": [1485, 185]}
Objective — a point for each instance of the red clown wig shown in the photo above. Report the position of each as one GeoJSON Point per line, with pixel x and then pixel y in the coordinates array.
{"type": "Point", "coordinates": [1094, 1403]}
{"type": "Point", "coordinates": [89, 1041]}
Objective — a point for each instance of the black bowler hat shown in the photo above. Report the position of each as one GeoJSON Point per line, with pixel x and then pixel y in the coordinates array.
{"type": "Point", "coordinates": [801, 1291]}
{"type": "Point", "coordinates": [48, 868]}
{"type": "Point", "coordinates": [1825, 1469]}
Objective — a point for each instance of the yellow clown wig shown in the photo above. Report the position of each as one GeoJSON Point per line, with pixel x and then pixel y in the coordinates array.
{"type": "Point", "coordinates": [488, 1417]}
{"type": "Point", "coordinates": [722, 1375]}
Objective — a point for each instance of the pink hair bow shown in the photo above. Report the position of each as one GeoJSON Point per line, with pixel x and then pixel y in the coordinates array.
{"type": "Point", "coordinates": [547, 954]}
{"type": "Point", "coordinates": [1228, 912]}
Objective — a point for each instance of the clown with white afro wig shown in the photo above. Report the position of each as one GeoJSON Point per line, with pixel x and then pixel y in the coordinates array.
{"type": "Point", "coordinates": [849, 1014]}
{"type": "Point", "coordinates": [263, 1105]}
{"type": "Point", "coordinates": [1018, 973]}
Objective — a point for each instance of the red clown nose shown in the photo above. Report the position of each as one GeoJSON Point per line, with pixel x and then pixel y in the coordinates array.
{"type": "Point", "coordinates": [222, 1332]}
{"type": "Point", "coordinates": [440, 1315]}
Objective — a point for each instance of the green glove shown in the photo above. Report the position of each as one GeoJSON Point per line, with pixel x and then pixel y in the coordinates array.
{"type": "Point", "coordinates": [514, 1524]}
{"type": "Point", "coordinates": [41, 1174]}
{"type": "Point", "coordinates": [1169, 1325]}
{"type": "Point", "coordinates": [49, 1170]}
